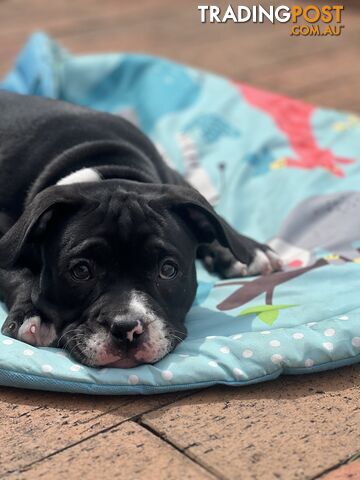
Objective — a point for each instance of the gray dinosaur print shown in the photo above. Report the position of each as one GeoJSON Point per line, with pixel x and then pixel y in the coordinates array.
{"type": "Point", "coordinates": [319, 226]}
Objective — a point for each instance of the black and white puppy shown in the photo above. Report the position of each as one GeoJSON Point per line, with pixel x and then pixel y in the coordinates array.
{"type": "Point", "coordinates": [99, 236]}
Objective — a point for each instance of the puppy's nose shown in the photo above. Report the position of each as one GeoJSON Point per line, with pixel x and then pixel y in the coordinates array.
{"type": "Point", "coordinates": [128, 330]}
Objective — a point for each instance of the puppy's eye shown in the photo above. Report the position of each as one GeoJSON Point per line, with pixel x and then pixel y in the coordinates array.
{"type": "Point", "coordinates": [81, 271]}
{"type": "Point", "coordinates": [168, 270]}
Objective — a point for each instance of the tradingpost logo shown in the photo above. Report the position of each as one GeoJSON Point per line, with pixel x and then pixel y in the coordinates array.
{"type": "Point", "coordinates": [309, 20]}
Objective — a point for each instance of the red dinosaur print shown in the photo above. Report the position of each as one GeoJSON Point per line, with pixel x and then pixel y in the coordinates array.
{"type": "Point", "coordinates": [293, 118]}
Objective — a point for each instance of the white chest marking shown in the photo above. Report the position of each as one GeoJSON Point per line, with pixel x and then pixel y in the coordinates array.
{"type": "Point", "coordinates": [80, 176]}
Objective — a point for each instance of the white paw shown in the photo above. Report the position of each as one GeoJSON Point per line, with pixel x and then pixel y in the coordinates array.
{"type": "Point", "coordinates": [36, 332]}
{"type": "Point", "coordinates": [265, 263]}
{"type": "Point", "coordinates": [236, 269]}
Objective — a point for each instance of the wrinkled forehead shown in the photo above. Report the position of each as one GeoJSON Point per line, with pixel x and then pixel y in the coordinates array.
{"type": "Point", "coordinates": [126, 220]}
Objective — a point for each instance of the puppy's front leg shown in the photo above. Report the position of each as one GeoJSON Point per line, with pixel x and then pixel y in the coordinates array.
{"type": "Point", "coordinates": [23, 322]}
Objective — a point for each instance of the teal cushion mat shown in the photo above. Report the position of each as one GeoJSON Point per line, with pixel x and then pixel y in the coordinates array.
{"type": "Point", "coordinates": [279, 170]}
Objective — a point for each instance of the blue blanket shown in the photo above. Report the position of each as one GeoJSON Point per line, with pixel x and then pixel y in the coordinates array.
{"type": "Point", "coordinates": [277, 169]}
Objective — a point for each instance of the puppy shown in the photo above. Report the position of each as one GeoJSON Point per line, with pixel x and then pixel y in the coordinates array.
{"type": "Point", "coordinates": [99, 236]}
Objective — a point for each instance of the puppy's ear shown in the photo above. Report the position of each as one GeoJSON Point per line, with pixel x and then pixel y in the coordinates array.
{"type": "Point", "coordinates": [203, 221]}
{"type": "Point", "coordinates": [33, 222]}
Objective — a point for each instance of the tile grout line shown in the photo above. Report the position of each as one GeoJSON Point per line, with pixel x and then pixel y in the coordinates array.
{"type": "Point", "coordinates": [111, 410]}
{"type": "Point", "coordinates": [133, 418]}
{"type": "Point", "coordinates": [352, 459]}
{"type": "Point", "coordinates": [213, 471]}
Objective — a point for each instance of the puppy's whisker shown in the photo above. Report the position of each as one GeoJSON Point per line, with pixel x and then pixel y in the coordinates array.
{"type": "Point", "coordinates": [63, 335]}
{"type": "Point", "coordinates": [75, 339]}
{"type": "Point", "coordinates": [175, 337]}
{"type": "Point", "coordinates": [75, 344]}
{"type": "Point", "coordinates": [177, 331]}
{"type": "Point", "coordinates": [69, 345]}
{"type": "Point", "coordinates": [180, 335]}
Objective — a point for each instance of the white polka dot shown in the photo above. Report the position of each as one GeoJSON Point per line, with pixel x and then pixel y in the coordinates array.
{"type": "Point", "coordinates": [47, 368]}
{"type": "Point", "coordinates": [184, 355]}
{"type": "Point", "coordinates": [247, 353]}
{"type": "Point", "coordinates": [298, 336]}
{"type": "Point", "coordinates": [275, 343]}
{"type": "Point", "coordinates": [225, 349]}
{"type": "Point", "coordinates": [276, 358]}
{"type": "Point", "coordinates": [133, 379]}
{"type": "Point", "coordinates": [329, 332]}
{"type": "Point", "coordinates": [311, 324]}
{"type": "Point", "coordinates": [167, 375]}
{"type": "Point", "coordinates": [265, 332]}
{"type": "Point", "coordinates": [212, 363]}
{"type": "Point", "coordinates": [75, 368]}
{"type": "Point", "coordinates": [309, 362]}
{"type": "Point", "coordinates": [238, 372]}
{"type": "Point", "coordinates": [7, 341]}
{"type": "Point", "coordinates": [103, 370]}
{"type": "Point", "coordinates": [328, 346]}
{"type": "Point", "coordinates": [28, 352]}
{"type": "Point", "coordinates": [343, 317]}
{"type": "Point", "coordinates": [356, 341]}
{"type": "Point", "coordinates": [236, 337]}
{"type": "Point", "coordinates": [210, 337]}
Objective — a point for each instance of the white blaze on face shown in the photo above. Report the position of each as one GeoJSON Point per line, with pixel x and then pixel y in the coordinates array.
{"type": "Point", "coordinates": [138, 306]}
{"type": "Point", "coordinates": [80, 176]}
{"type": "Point", "coordinates": [157, 343]}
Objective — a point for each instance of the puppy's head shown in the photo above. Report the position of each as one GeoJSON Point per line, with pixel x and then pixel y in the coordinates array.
{"type": "Point", "coordinates": [116, 265]}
